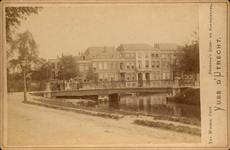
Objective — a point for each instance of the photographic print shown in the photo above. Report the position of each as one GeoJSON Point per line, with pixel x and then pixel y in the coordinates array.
{"type": "Point", "coordinates": [104, 75]}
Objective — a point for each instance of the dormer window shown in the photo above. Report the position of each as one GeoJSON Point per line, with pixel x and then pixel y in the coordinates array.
{"type": "Point", "coordinates": [83, 57]}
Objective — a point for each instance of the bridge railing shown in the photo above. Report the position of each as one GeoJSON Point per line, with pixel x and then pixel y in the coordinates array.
{"type": "Point", "coordinates": [111, 84]}
{"type": "Point", "coordinates": [118, 84]}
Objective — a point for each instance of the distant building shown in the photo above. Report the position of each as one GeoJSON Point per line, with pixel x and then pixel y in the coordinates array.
{"type": "Point", "coordinates": [129, 65]}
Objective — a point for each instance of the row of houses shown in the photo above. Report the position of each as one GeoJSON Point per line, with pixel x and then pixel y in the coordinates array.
{"type": "Point", "coordinates": [128, 65]}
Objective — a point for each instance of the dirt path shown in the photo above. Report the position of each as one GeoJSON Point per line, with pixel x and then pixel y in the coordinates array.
{"type": "Point", "coordinates": [34, 125]}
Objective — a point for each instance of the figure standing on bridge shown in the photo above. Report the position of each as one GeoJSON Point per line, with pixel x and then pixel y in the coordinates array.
{"type": "Point", "coordinates": [59, 86]}
{"type": "Point", "coordinates": [63, 85]}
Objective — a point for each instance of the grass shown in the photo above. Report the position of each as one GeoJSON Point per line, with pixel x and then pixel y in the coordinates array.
{"type": "Point", "coordinates": [171, 127]}
{"type": "Point", "coordinates": [192, 121]}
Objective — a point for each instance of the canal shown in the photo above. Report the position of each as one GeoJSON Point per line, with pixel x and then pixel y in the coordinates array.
{"type": "Point", "coordinates": [151, 104]}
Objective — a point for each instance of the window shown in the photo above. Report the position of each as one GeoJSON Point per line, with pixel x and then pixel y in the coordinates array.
{"type": "Point", "coordinates": [100, 77]}
{"type": "Point", "coordinates": [133, 76]}
{"type": "Point", "coordinates": [121, 65]}
{"type": "Point", "coordinates": [168, 64]}
{"type": "Point", "coordinates": [111, 77]}
{"type": "Point", "coordinates": [157, 64]}
{"type": "Point", "coordinates": [153, 64]}
{"type": "Point", "coordinates": [111, 66]}
{"type": "Point", "coordinates": [153, 55]}
{"type": "Point", "coordinates": [95, 66]}
{"type": "Point", "coordinates": [168, 75]}
{"type": "Point", "coordinates": [146, 55]}
{"type": "Point", "coordinates": [132, 64]}
{"type": "Point", "coordinates": [139, 64]}
{"type": "Point", "coordinates": [127, 64]}
{"type": "Point", "coordinates": [163, 55]}
{"type": "Point", "coordinates": [106, 77]}
{"type": "Point", "coordinates": [83, 57]}
{"type": "Point", "coordinates": [105, 66]}
{"type": "Point", "coordinates": [157, 55]}
{"type": "Point", "coordinates": [146, 64]}
{"type": "Point", "coordinates": [128, 77]}
{"type": "Point", "coordinates": [100, 66]}
{"type": "Point", "coordinates": [158, 75]}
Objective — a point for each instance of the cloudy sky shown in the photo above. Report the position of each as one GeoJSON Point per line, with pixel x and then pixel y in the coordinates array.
{"type": "Point", "coordinates": [72, 29]}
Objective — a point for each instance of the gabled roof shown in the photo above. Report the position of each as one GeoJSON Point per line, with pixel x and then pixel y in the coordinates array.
{"type": "Point", "coordinates": [101, 49]}
{"type": "Point", "coordinates": [102, 52]}
{"type": "Point", "coordinates": [166, 46]}
{"type": "Point", "coordinates": [136, 47]}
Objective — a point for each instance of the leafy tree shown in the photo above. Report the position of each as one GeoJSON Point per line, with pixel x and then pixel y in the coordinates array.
{"type": "Point", "coordinates": [68, 67]}
{"type": "Point", "coordinates": [90, 74]}
{"type": "Point", "coordinates": [42, 70]}
{"type": "Point", "coordinates": [14, 16]}
{"type": "Point", "coordinates": [26, 49]}
{"type": "Point", "coordinates": [188, 58]}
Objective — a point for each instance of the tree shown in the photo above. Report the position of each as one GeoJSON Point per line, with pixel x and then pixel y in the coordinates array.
{"type": "Point", "coordinates": [188, 58]}
{"type": "Point", "coordinates": [26, 49]}
{"type": "Point", "coordinates": [68, 67]}
{"type": "Point", "coordinates": [90, 74]}
{"type": "Point", "coordinates": [42, 70]}
{"type": "Point", "coordinates": [14, 15]}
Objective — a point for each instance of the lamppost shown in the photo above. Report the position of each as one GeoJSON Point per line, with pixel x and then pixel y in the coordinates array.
{"type": "Point", "coordinates": [24, 72]}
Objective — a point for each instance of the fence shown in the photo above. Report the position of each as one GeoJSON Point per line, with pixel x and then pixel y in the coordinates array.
{"type": "Point", "coordinates": [112, 84]}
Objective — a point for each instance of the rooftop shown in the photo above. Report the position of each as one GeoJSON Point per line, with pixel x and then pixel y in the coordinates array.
{"type": "Point", "coordinates": [166, 46]}
{"type": "Point", "coordinates": [136, 47]}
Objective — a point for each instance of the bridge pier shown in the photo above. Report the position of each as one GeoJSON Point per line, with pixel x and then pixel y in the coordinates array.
{"type": "Point", "coordinates": [47, 92]}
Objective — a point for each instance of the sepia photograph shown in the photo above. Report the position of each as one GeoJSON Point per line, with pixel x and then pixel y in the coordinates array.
{"type": "Point", "coordinates": [97, 75]}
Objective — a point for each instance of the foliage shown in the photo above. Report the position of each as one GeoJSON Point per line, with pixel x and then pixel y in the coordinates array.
{"type": "Point", "coordinates": [188, 58]}
{"type": "Point", "coordinates": [42, 70]}
{"type": "Point", "coordinates": [189, 96]}
{"type": "Point", "coordinates": [14, 15]}
{"type": "Point", "coordinates": [68, 67]}
{"type": "Point", "coordinates": [90, 74]}
{"type": "Point", "coordinates": [26, 49]}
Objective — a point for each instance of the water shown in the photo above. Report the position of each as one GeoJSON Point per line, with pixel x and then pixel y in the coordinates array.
{"type": "Point", "coordinates": [152, 104]}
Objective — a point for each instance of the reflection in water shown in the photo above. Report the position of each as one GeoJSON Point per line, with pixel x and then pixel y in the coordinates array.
{"type": "Point", "coordinates": [152, 104]}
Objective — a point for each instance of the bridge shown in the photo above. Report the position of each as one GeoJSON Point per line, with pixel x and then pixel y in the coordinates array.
{"type": "Point", "coordinates": [84, 93]}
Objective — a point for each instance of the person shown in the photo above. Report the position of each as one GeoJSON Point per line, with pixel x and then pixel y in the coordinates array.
{"type": "Point", "coordinates": [63, 85]}
{"type": "Point", "coordinates": [59, 86]}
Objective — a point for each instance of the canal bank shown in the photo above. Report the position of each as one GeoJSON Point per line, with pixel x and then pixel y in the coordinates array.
{"type": "Point", "coordinates": [33, 125]}
{"type": "Point", "coordinates": [185, 125]}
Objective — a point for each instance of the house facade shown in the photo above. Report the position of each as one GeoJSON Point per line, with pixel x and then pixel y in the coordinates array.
{"type": "Point", "coordinates": [128, 65]}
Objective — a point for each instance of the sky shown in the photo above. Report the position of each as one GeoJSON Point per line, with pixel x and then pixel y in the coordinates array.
{"type": "Point", "coordinates": [72, 29]}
